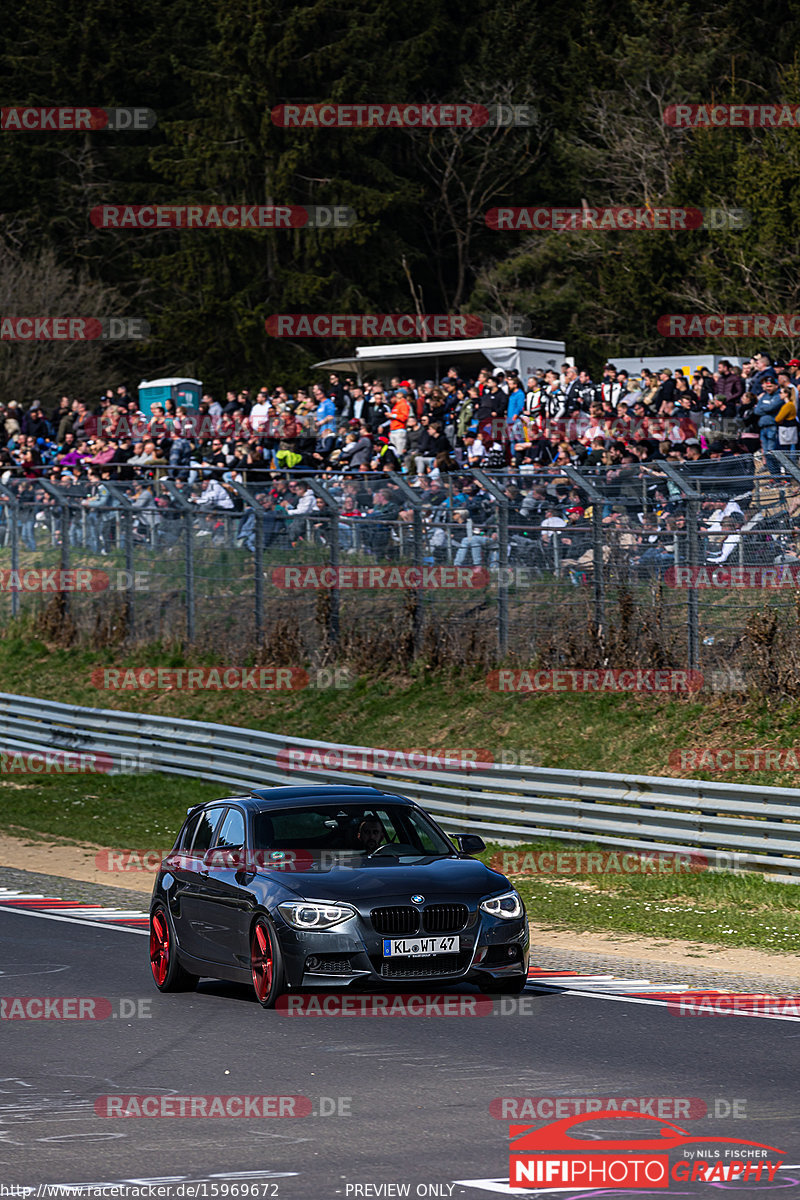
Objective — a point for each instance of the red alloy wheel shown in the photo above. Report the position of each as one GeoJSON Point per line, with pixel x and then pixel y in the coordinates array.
{"type": "Point", "coordinates": [261, 958]}
{"type": "Point", "coordinates": [159, 946]}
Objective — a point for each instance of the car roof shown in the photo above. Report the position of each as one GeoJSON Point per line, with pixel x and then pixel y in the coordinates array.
{"type": "Point", "coordinates": [262, 799]}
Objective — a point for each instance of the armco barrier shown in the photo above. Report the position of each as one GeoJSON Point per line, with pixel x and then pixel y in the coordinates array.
{"type": "Point", "coordinates": [761, 824]}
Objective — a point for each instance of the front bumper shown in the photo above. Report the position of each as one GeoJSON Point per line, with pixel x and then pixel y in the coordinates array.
{"type": "Point", "coordinates": [351, 955]}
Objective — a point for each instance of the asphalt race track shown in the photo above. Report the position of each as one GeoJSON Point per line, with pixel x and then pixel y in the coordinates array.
{"type": "Point", "coordinates": [417, 1090]}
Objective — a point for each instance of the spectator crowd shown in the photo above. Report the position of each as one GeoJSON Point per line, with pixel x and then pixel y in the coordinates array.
{"type": "Point", "coordinates": [620, 431]}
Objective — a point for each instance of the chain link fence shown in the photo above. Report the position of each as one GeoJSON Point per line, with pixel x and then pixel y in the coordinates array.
{"type": "Point", "coordinates": [648, 564]}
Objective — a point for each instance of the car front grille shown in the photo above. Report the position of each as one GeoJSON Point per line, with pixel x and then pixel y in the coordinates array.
{"type": "Point", "coordinates": [425, 968]}
{"type": "Point", "coordinates": [444, 918]}
{"type": "Point", "coordinates": [397, 919]}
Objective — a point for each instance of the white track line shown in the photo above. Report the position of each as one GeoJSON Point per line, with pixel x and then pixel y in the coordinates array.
{"type": "Point", "coordinates": [46, 916]}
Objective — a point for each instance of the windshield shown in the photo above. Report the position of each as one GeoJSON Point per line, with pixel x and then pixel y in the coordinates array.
{"type": "Point", "coordinates": [349, 831]}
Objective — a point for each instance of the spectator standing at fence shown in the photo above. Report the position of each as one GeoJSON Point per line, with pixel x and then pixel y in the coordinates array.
{"type": "Point", "coordinates": [768, 406]}
{"type": "Point", "coordinates": [97, 503]}
{"type": "Point", "coordinates": [399, 414]}
{"type": "Point", "coordinates": [786, 420]}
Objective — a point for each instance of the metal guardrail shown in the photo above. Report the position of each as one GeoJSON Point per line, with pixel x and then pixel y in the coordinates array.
{"type": "Point", "coordinates": [760, 825]}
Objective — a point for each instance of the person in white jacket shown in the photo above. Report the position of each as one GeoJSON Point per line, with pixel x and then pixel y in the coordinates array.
{"type": "Point", "coordinates": [306, 504]}
{"type": "Point", "coordinates": [213, 495]}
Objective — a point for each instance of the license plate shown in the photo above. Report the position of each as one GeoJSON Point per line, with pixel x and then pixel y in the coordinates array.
{"type": "Point", "coordinates": [419, 947]}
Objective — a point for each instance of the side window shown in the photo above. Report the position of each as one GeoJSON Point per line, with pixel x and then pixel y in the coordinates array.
{"type": "Point", "coordinates": [209, 819]}
{"type": "Point", "coordinates": [185, 840]}
{"type": "Point", "coordinates": [231, 834]}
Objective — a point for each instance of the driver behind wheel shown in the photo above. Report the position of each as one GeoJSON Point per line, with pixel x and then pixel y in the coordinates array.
{"type": "Point", "coordinates": [370, 835]}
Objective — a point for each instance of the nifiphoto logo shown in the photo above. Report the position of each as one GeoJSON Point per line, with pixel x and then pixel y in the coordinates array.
{"type": "Point", "coordinates": [647, 1155]}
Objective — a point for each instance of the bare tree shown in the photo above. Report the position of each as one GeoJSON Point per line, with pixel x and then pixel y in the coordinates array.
{"type": "Point", "coordinates": [474, 169]}
{"type": "Point", "coordinates": [37, 285]}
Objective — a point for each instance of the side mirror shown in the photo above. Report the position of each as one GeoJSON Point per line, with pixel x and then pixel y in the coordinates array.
{"type": "Point", "coordinates": [470, 843]}
{"type": "Point", "coordinates": [224, 858]}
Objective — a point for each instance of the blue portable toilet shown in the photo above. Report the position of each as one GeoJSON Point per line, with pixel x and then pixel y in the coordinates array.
{"type": "Point", "coordinates": [187, 392]}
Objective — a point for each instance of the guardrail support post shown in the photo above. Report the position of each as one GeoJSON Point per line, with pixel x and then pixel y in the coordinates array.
{"type": "Point", "coordinates": [693, 499]}
{"type": "Point", "coordinates": [502, 550]}
{"type": "Point", "coordinates": [418, 593]}
{"type": "Point", "coordinates": [13, 525]}
{"type": "Point", "coordinates": [332, 510]}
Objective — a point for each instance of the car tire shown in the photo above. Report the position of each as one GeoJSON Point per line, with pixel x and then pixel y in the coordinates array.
{"type": "Point", "coordinates": [504, 987]}
{"type": "Point", "coordinates": [266, 962]}
{"type": "Point", "coordinates": [168, 973]}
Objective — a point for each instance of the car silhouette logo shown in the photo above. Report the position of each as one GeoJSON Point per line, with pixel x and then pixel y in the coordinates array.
{"type": "Point", "coordinates": [417, 899]}
{"type": "Point", "coordinates": [556, 1137]}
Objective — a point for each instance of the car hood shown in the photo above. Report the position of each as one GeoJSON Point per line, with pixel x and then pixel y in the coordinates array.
{"type": "Point", "coordinates": [440, 878]}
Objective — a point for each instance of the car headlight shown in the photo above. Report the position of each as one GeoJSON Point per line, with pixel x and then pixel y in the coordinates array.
{"type": "Point", "coordinates": [508, 906]}
{"type": "Point", "coordinates": [315, 914]}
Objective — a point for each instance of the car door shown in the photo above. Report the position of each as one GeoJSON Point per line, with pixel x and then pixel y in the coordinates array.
{"type": "Point", "coordinates": [223, 895]}
{"type": "Point", "coordinates": [190, 874]}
